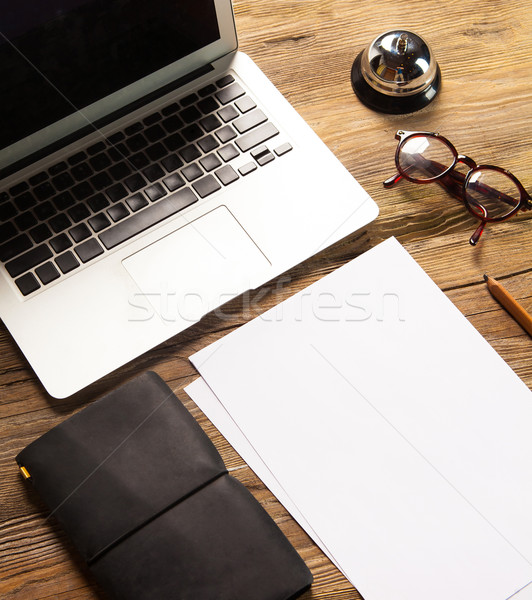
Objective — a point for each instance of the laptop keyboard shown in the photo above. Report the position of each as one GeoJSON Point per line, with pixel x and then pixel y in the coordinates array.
{"type": "Point", "coordinates": [109, 192]}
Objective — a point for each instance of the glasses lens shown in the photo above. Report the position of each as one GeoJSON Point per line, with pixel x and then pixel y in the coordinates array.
{"type": "Point", "coordinates": [492, 194]}
{"type": "Point", "coordinates": [423, 158]}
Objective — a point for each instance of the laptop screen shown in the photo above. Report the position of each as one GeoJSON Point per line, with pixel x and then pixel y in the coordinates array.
{"type": "Point", "coordinates": [58, 56]}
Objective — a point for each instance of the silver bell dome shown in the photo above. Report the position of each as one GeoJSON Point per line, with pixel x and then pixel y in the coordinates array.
{"type": "Point", "coordinates": [396, 73]}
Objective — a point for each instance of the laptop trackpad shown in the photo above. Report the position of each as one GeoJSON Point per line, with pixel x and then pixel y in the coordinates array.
{"type": "Point", "coordinates": [198, 267]}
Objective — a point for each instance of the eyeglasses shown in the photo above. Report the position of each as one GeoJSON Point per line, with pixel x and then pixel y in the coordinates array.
{"type": "Point", "coordinates": [490, 193]}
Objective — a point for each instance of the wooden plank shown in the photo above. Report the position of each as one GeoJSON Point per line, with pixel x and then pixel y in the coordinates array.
{"type": "Point", "coordinates": [307, 47]}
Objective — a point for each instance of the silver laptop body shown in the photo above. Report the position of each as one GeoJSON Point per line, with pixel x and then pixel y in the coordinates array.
{"type": "Point", "coordinates": [246, 192]}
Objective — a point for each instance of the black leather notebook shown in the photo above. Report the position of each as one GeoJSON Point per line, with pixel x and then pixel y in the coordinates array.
{"type": "Point", "coordinates": [148, 502]}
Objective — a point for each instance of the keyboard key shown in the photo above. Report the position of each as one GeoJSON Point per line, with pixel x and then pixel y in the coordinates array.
{"type": "Point", "coordinates": [7, 230]}
{"type": "Point", "coordinates": [210, 162]}
{"type": "Point", "coordinates": [99, 222]}
{"type": "Point", "coordinates": [67, 262]}
{"type": "Point", "coordinates": [15, 246]}
{"type": "Point", "coordinates": [226, 174]}
{"type": "Point", "coordinates": [57, 168]}
{"type": "Point", "coordinates": [44, 210]}
{"type": "Point", "coordinates": [95, 148]}
{"type": "Point", "coordinates": [82, 190]}
{"type": "Point", "coordinates": [174, 182]}
{"type": "Point", "coordinates": [192, 132]}
{"type": "Point", "coordinates": [208, 143]}
{"type": "Point", "coordinates": [226, 80]}
{"type": "Point", "coordinates": [38, 178]}
{"type": "Point", "coordinates": [208, 105]}
{"type": "Point", "coordinates": [155, 192]}
{"type": "Point", "coordinates": [262, 155]}
{"type": "Point", "coordinates": [44, 191]}
{"type": "Point", "coordinates": [82, 171]}
{"type": "Point", "coordinates": [80, 232]}
{"type": "Point", "coordinates": [228, 113]}
{"type": "Point", "coordinates": [88, 250]}
{"type": "Point", "coordinates": [151, 119]}
{"type": "Point", "coordinates": [60, 223]}
{"type": "Point", "coordinates": [136, 202]}
{"type": "Point", "coordinates": [63, 201]}
{"type": "Point", "coordinates": [148, 217]}
{"type": "Point", "coordinates": [62, 181]}
{"type": "Point", "coordinates": [154, 133]}
{"type": "Point", "coordinates": [257, 136]}
{"type": "Point", "coordinates": [210, 123]}
{"type": "Point", "coordinates": [207, 90]}
{"type": "Point", "coordinates": [153, 172]}
{"type": "Point", "coordinates": [40, 233]}
{"type": "Point", "coordinates": [25, 220]}
{"type": "Point", "coordinates": [47, 273]}
{"type": "Point", "coordinates": [76, 158]}
{"type": "Point", "coordinates": [7, 211]}
{"type": "Point", "coordinates": [265, 158]}
{"type": "Point", "coordinates": [139, 160]}
{"type": "Point", "coordinates": [115, 138]}
{"type": "Point", "coordinates": [249, 121]}
{"type": "Point", "coordinates": [206, 186]}
{"type": "Point", "coordinates": [60, 243]}
{"type": "Point", "coordinates": [172, 123]}
{"type": "Point", "coordinates": [283, 149]}
{"type": "Point", "coordinates": [19, 188]}
{"type": "Point", "coordinates": [190, 114]}
{"type": "Point", "coordinates": [172, 163]}
{"type": "Point", "coordinates": [225, 134]}
{"type": "Point", "coordinates": [170, 109]}
{"type": "Point", "coordinates": [188, 100]}
{"type": "Point", "coordinates": [27, 284]}
{"type": "Point", "coordinates": [101, 181]}
{"type": "Point", "coordinates": [27, 261]}
{"type": "Point", "coordinates": [228, 94]}
{"type": "Point", "coordinates": [156, 151]}
{"type": "Point", "coordinates": [174, 142]}
{"type": "Point", "coordinates": [228, 152]}
{"type": "Point", "coordinates": [118, 212]}
{"type": "Point", "coordinates": [135, 182]}
{"type": "Point", "coordinates": [100, 161]}
{"type": "Point", "coordinates": [131, 129]}
{"type": "Point", "coordinates": [78, 212]}
{"type": "Point", "coordinates": [247, 168]}
{"type": "Point", "coordinates": [25, 201]}
{"type": "Point", "coordinates": [116, 192]}
{"type": "Point", "coordinates": [4, 197]}
{"type": "Point", "coordinates": [97, 203]}
{"type": "Point", "coordinates": [190, 153]}
{"type": "Point", "coordinates": [120, 170]}
{"type": "Point", "coordinates": [136, 143]}
{"type": "Point", "coordinates": [192, 172]}
{"type": "Point", "coordinates": [118, 152]}
{"type": "Point", "coordinates": [245, 104]}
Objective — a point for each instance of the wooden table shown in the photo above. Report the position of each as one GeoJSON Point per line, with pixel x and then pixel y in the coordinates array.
{"type": "Point", "coordinates": [306, 47]}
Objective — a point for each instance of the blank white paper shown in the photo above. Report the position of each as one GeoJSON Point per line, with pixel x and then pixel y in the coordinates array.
{"type": "Point", "coordinates": [203, 396]}
{"type": "Point", "coordinates": [396, 430]}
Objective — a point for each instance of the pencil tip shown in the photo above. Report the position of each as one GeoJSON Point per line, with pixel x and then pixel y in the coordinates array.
{"type": "Point", "coordinates": [485, 277]}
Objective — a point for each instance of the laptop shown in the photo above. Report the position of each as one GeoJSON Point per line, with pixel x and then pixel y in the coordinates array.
{"type": "Point", "coordinates": [150, 172]}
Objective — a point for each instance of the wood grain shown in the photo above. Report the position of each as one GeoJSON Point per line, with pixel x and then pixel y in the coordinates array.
{"type": "Point", "coordinates": [306, 47]}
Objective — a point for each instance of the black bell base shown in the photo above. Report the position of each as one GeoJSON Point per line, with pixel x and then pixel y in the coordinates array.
{"type": "Point", "coordinates": [394, 105]}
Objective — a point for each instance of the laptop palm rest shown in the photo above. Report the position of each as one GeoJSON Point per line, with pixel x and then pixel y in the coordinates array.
{"type": "Point", "coordinates": [196, 268]}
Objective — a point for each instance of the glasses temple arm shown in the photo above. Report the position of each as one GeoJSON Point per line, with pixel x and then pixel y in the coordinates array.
{"type": "Point", "coordinates": [392, 180]}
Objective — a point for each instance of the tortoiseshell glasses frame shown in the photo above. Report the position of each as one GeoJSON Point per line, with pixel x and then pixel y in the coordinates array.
{"type": "Point", "coordinates": [490, 193]}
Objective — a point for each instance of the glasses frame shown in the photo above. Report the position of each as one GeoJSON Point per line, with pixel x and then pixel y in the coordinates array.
{"type": "Point", "coordinates": [456, 183]}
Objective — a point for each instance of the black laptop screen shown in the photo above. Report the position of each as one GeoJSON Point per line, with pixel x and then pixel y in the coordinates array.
{"type": "Point", "coordinates": [57, 56]}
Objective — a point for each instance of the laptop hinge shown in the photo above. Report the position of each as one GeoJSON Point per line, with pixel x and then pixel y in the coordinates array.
{"type": "Point", "coordinates": [80, 133]}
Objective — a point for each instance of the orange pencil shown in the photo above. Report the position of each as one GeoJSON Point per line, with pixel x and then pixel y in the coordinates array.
{"type": "Point", "coordinates": [509, 303]}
